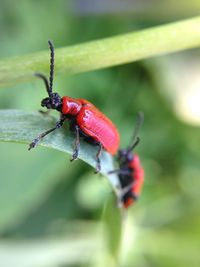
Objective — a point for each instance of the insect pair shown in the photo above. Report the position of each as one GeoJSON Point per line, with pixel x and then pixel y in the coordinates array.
{"type": "Point", "coordinates": [92, 125]}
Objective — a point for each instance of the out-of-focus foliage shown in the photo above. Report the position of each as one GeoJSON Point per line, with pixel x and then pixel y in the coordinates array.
{"type": "Point", "coordinates": [61, 223]}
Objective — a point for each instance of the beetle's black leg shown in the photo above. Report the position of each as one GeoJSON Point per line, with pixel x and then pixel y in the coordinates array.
{"type": "Point", "coordinates": [98, 155]}
{"type": "Point", "coordinates": [76, 144]}
{"type": "Point", "coordinates": [35, 142]}
{"type": "Point", "coordinates": [123, 191]}
{"type": "Point", "coordinates": [127, 188]}
{"type": "Point", "coordinates": [121, 171]}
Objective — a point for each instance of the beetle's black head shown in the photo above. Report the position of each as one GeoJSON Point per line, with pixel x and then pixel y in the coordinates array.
{"type": "Point", "coordinates": [52, 102]}
{"type": "Point", "coordinates": [125, 155]}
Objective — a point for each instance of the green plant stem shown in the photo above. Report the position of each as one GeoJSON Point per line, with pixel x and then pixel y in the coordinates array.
{"type": "Point", "coordinates": [105, 52]}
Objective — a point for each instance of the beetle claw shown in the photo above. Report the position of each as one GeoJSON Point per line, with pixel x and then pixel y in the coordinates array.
{"type": "Point", "coordinates": [74, 156]}
{"type": "Point", "coordinates": [98, 167]}
{"type": "Point", "coordinates": [33, 144]}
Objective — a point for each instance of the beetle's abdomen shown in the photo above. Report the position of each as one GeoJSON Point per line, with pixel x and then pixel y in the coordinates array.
{"type": "Point", "coordinates": [96, 125]}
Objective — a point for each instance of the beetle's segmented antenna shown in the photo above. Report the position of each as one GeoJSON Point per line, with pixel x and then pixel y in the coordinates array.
{"type": "Point", "coordinates": [135, 138]}
{"type": "Point", "coordinates": [134, 144]}
{"type": "Point", "coordinates": [51, 67]}
{"type": "Point", "coordinates": [40, 75]}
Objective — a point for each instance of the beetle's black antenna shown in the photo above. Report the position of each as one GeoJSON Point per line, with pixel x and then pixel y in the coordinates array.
{"type": "Point", "coordinates": [44, 79]}
{"type": "Point", "coordinates": [135, 138]}
{"type": "Point", "coordinates": [51, 67]}
{"type": "Point", "coordinates": [49, 84]}
{"type": "Point", "coordinates": [134, 144]}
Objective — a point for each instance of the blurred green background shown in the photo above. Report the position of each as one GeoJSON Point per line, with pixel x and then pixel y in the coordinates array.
{"type": "Point", "coordinates": [51, 210]}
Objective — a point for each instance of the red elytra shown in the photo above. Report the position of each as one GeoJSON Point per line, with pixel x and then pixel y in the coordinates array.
{"type": "Point", "coordinates": [92, 122]}
{"type": "Point", "coordinates": [137, 177]}
{"type": "Point", "coordinates": [85, 119]}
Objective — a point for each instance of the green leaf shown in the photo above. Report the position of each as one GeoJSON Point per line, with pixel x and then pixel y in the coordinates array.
{"type": "Point", "coordinates": [27, 180]}
{"type": "Point", "coordinates": [107, 52]}
{"type": "Point", "coordinates": [113, 227]}
{"type": "Point", "coordinates": [23, 127]}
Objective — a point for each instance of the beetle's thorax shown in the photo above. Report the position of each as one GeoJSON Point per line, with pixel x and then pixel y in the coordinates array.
{"type": "Point", "coordinates": [70, 106]}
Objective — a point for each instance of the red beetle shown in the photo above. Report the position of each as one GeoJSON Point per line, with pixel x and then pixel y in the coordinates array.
{"type": "Point", "coordinates": [85, 119]}
{"type": "Point", "coordinates": [130, 172]}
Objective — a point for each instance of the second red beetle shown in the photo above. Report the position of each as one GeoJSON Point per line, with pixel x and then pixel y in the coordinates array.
{"type": "Point", "coordinates": [130, 172]}
{"type": "Point", "coordinates": [85, 119]}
